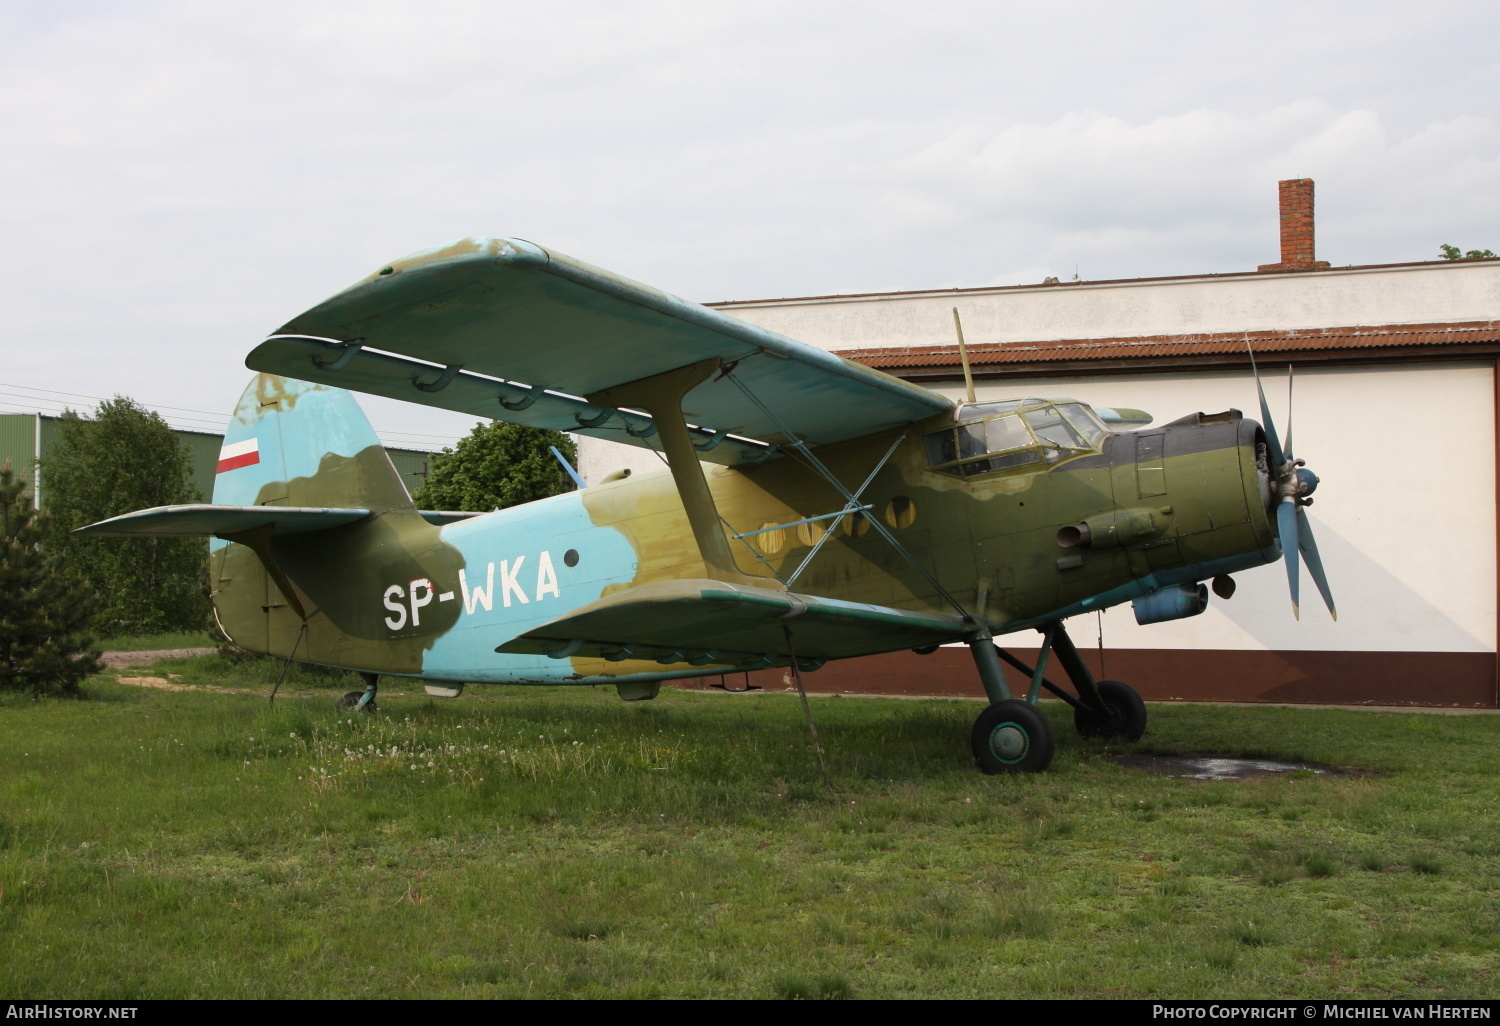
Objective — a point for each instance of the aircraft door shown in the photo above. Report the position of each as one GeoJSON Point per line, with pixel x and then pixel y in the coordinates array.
{"type": "Point", "coordinates": [1150, 467]}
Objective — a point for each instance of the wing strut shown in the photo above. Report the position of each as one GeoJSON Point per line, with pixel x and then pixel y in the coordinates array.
{"type": "Point", "coordinates": [661, 396]}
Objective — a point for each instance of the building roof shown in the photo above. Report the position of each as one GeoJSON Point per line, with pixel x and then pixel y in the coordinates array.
{"type": "Point", "coordinates": [1364, 343]}
{"type": "Point", "coordinates": [1272, 271]}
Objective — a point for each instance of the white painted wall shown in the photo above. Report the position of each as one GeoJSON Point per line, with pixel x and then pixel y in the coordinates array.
{"type": "Point", "coordinates": [1404, 515]}
{"type": "Point", "coordinates": [1442, 291]}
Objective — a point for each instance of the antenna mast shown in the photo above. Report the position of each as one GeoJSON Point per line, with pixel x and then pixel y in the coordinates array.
{"type": "Point", "coordinates": [963, 356]}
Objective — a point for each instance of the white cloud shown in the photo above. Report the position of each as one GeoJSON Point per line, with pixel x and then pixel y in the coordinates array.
{"type": "Point", "coordinates": [180, 178]}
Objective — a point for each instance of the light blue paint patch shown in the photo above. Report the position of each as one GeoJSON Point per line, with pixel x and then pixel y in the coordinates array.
{"type": "Point", "coordinates": [553, 526]}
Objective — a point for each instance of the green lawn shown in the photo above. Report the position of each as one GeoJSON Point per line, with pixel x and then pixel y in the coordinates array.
{"type": "Point", "coordinates": [558, 842]}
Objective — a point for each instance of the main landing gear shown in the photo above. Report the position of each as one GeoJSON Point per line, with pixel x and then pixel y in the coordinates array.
{"type": "Point", "coordinates": [1013, 736]}
{"type": "Point", "coordinates": [362, 701]}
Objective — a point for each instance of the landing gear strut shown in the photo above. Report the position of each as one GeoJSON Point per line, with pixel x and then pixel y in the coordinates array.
{"type": "Point", "coordinates": [362, 701]}
{"type": "Point", "coordinates": [1013, 736]}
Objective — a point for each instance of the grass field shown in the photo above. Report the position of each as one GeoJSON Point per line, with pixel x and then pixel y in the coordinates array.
{"type": "Point", "coordinates": [559, 842]}
{"type": "Point", "coordinates": [153, 642]}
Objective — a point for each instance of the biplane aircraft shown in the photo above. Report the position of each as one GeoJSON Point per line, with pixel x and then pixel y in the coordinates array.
{"type": "Point", "coordinates": [809, 508]}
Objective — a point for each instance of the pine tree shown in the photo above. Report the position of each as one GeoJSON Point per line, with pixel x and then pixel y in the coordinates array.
{"type": "Point", "coordinates": [496, 465]}
{"type": "Point", "coordinates": [44, 614]}
{"type": "Point", "coordinates": [122, 459]}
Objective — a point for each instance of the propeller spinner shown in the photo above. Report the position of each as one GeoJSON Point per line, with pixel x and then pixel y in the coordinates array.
{"type": "Point", "coordinates": [1292, 488]}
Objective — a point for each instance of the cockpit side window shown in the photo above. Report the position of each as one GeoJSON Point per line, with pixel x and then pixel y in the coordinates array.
{"type": "Point", "coordinates": [1085, 422]}
{"type": "Point", "coordinates": [1049, 425]}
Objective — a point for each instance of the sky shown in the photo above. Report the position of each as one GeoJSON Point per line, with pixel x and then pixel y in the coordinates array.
{"type": "Point", "coordinates": [179, 179]}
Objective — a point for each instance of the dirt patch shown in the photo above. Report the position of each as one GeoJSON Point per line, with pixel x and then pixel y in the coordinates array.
{"type": "Point", "coordinates": [169, 683]}
{"type": "Point", "coordinates": [118, 659]}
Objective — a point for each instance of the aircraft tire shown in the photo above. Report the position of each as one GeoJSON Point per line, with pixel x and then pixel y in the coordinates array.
{"type": "Point", "coordinates": [1127, 714]}
{"type": "Point", "coordinates": [351, 699]}
{"type": "Point", "coordinates": [1012, 737]}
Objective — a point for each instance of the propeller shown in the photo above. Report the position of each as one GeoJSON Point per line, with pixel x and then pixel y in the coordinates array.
{"type": "Point", "coordinates": [1293, 485]}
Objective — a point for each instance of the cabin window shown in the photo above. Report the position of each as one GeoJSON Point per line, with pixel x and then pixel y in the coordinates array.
{"type": "Point", "coordinates": [856, 525]}
{"type": "Point", "coordinates": [900, 512]}
{"type": "Point", "coordinates": [1014, 434]}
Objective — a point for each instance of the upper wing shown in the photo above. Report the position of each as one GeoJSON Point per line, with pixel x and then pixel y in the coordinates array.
{"type": "Point", "coordinates": [710, 623]}
{"type": "Point", "coordinates": [503, 329]}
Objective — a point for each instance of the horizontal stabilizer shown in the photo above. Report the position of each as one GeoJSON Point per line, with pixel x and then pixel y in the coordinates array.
{"type": "Point", "coordinates": [504, 329]}
{"type": "Point", "coordinates": [199, 520]}
{"type": "Point", "coordinates": [441, 517]}
{"type": "Point", "coordinates": [202, 520]}
{"type": "Point", "coordinates": [711, 623]}
{"type": "Point", "coordinates": [1119, 415]}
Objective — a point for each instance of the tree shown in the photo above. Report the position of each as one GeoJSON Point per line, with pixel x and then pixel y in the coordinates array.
{"type": "Point", "coordinates": [44, 615]}
{"type": "Point", "coordinates": [1454, 253]}
{"type": "Point", "coordinates": [125, 458]}
{"type": "Point", "coordinates": [496, 465]}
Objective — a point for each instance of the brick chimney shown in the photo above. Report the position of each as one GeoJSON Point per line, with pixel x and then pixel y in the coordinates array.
{"type": "Point", "coordinates": [1296, 228]}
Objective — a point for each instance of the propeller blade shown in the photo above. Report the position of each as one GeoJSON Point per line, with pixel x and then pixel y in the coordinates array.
{"type": "Point", "coordinates": [1286, 524]}
{"type": "Point", "coordinates": [1273, 443]}
{"type": "Point", "coordinates": [1289, 412]}
{"type": "Point", "coordinates": [1309, 549]}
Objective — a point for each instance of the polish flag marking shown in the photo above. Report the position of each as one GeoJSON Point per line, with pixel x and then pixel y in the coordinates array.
{"type": "Point", "coordinates": [240, 454]}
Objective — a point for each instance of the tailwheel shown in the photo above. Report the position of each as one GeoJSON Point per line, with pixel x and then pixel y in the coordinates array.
{"type": "Point", "coordinates": [362, 701]}
{"type": "Point", "coordinates": [1012, 737]}
{"type": "Point", "coordinates": [351, 701]}
{"type": "Point", "coordinates": [1126, 713]}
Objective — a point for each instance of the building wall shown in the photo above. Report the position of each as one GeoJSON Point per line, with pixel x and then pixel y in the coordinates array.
{"type": "Point", "coordinates": [1404, 515]}
{"type": "Point", "coordinates": [411, 465]}
{"type": "Point", "coordinates": [18, 445]}
{"type": "Point", "coordinates": [1401, 294]}
{"type": "Point", "coordinates": [203, 449]}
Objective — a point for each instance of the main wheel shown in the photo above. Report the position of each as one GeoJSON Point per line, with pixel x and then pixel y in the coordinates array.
{"type": "Point", "coordinates": [1012, 737]}
{"type": "Point", "coordinates": [1126, 718]}
{"type": "Point", "coordinates": [351, 700]}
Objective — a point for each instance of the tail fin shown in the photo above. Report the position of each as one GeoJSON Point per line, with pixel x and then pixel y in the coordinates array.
{"type": "Point", "coordinates": [295, 443]}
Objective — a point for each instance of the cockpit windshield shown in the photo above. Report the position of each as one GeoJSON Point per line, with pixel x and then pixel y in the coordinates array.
{"type": "Point", "coordinates": [1014, 433]}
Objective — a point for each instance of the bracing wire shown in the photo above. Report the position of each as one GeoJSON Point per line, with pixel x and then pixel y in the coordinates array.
{"type": "Point", "coordinates": [284, 666]}
{"type": "Point", "coordinates": [812, 728]}
{"type": "Point", "coordinates": [1099, 617]}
